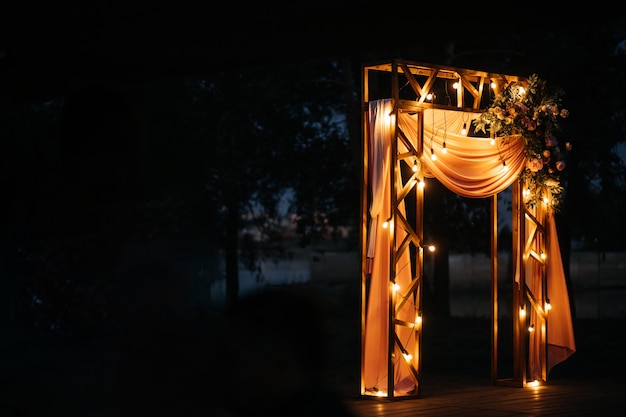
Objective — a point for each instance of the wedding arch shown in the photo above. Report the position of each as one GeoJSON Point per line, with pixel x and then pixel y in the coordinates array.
{"type": "Point", "coordinates": [415, 122]}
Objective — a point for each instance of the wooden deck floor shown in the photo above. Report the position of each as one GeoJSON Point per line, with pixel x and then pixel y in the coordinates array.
{"type": "Point", "coordinates": [457, 380]}
{"type": "Point", "coordinates": [461, 396]}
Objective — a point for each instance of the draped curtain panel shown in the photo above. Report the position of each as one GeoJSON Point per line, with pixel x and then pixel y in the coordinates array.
{"type": "Point", "coordinates": [473, 167]}
{"type": "Point", "coordinates": [376, 334]}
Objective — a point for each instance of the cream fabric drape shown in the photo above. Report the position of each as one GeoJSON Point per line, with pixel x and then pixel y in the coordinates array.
{"type": "Point", "coordinates": [472, 167]}
{"type": "Point", "coordinates": [377, 329]}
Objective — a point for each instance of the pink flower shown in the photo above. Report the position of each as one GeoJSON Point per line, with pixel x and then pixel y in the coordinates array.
{"type": "Point", "coordinates": [530, 125]}
{"type": "Point", "coordinates": [521, 107]}
{"type": "Point", "coordinates": [560, 165]}
{"type": "Point", "coordinates": [534, 164]}
{"type": "Point", "coordinates": [498, 112]}
{"type": "Point", "coordinates": [551, 141]}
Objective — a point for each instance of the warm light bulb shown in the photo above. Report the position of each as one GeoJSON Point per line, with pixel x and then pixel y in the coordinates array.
{"type": "Point", "coordinates": [444, 150]}
{"type": "Point", "coordinates": [522, 312]}
{"type": "Point", "coordinates": [493, 85]}
{"type": "Point", "coordinates": [431, 248]}
{"type": "Point", "coordinates": [464, 130]}
{"type": "Point", "coordinates": [531, 328]}
{"type": "Point", "coordinates": [455, 85]}
{"type": "Point", "coordinates": [492, 141]}
{"type": "Point", "coordinates": [385, 224]}
{"type": "Point", "coordinates": [548, 305]}
{"type": "Point", "coordinates": [533, 384]}
{"type": "Point", "coordinates": [429, 96]}
{"type": "Point", "coordinates": [432, 154]}
{"type": "Point", "coordinates": [421, 185]}
{"type": "Point", "coordinates": [396, 287]}
{"type": "Point", "coordinates": [380, 394]}
{"type": "Point", "coordinates": [546, 200]}
{"type": "Point", "coordinates": [543, 255]}
{"type": "Point", "coordinates": [418, 319]}
{"type": "Point", "coordinates": [407, 356]}
{"type": "Point", "coordinates": [526, 193]}
{"type": "Point", "coordinates": [415, 166]}
{"type": "Point", "coordinates": [522, 90]}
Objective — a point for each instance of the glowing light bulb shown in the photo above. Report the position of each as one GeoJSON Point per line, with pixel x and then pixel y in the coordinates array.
{"type": "Point", "coordinates": [432, 154]}
{"type": "Point", "coordinates": [543, 255]}
{"type": "Point", "coordinates": [522, 312]}
{"type": "Point", "coordinates": [493, 85]}
{"type": "Point", "coordinates": [464, 129]}
{"type": "Point", "coordinates": [492, 141]}
{"type": "Point", "coordinates": [385, 224]}
{"type": "Point", "coordinates": [548, 305]}
{"type": "Point", "coordinates": [430, 96]}
{"type": "Point", "coordinates": [415, 168]}
{"type": "Point", "coordinates": [396, 286]}
{"type": "Point", "coordinates": [421, 185]}
{"type": "Point", "coordinates": [533, 384]}
{"type": "Point", "coordinates": [531, 328]}
{"type": "Point", "coordinates": [504, 167]}
{"type": "Point", "coordinates": [444, 150]}
{"type": "Point", "coordinates": [407, 356]}
{"type": "Point", "coordinates": [431, 248]}
{"type": "Point", "coordinates": [522, 90]}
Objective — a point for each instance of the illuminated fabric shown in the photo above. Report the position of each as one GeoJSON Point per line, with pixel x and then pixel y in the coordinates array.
{"type": "Point", "coordinates": [473, 167]}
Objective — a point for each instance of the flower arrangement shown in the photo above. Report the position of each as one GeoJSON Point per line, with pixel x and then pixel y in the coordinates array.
{"type": "Point", "coordinates": [529, 111]}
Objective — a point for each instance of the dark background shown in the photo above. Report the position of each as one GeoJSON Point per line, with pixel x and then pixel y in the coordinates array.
{"type": "Point", "coordinates": [51, 50]}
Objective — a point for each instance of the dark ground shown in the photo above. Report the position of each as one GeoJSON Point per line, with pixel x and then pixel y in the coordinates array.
{"type": "Point", "coordinates": [42, 373]}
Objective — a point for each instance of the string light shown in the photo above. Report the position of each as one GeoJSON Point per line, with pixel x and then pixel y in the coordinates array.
{"type": "Point", "coordinates": [548, 305]}
{"type": "Point", "coordinates": [432, 154]}
{"type": "Point", "coordinates": [531, 328]}
{"type": "Point", "coordinates": [415, 167]}
{"type": "Point", "coordinates": [444, 149]}
{"type": "Point", "coordinates": [464, 129]}
{"type": "Point", "coordinates": [504, 167]}
{"type": "Point", "coordinates": [522, 312]}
